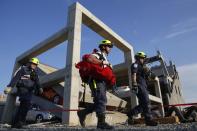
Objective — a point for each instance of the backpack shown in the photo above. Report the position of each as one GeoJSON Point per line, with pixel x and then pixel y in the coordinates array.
{"type": "Point", "coordinates": [90, 70]}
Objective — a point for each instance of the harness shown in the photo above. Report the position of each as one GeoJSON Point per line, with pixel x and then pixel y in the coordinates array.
{"type": "Point", "coordinates": [27, 81]}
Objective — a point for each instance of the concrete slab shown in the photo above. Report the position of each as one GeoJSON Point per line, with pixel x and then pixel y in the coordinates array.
{"type": "Point", "coordinates": [45, 45]}
{"type": "Point", "coordinates": [112, 99]}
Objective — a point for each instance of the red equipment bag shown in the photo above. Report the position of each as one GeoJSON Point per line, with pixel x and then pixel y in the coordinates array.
{"type": "Point", "coordinates": [87, 70]}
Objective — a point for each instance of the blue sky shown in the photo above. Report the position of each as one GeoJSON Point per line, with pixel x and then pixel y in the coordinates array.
{"type": "Point", "coordinates": [170, 26]}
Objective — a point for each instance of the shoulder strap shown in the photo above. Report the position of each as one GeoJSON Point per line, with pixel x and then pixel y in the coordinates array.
{"type": "Point", "coordinates": [101, 57]}
{"type": "Point", "coordinates": [21, 68]}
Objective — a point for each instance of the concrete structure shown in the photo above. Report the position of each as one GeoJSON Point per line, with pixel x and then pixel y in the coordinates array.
{"type": "Point", "coordinates": [66, 82]}
{"type": "Point", "coordinates": [77, 16]}
{"type": "Point", "coordinates": [166, 90]}
{"type": "Point", "coordinates": [122, 79]}
{"type": "Point", "coordinates": [2, 97]}
{"type": "Point", "coordinates": [113, 101]}
{"type": "Point", "coordinates": [2, 103]}
{"type": "Point", "coordinates": [171, 87]}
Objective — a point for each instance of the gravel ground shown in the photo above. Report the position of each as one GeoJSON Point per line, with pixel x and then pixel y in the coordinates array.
{"type": "Point", "coordinates": [58, 127]}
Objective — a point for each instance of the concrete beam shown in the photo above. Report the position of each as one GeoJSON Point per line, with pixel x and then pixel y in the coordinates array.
{"type": "Point", "coordinates": [155, 99]}
{"type": "Point", "coordinates": [59, 75]}
{"type": "Point", "coordinates": [46, 68]}
{"type": "Point", "coordinates": [53, 78]}
{"type": "Point", "coordinates": [102, 29]}
{"type": "Point", "coordinates": [120, 67]}
{"type": "Point", "coordinates": [112, 100]}
{"type": "Point", "coordinates": [45, 45]}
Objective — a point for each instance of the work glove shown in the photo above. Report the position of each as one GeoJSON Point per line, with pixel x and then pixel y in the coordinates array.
{"type": "Point", "coordinates": [110, 65]}
{"type": "Point", "coordinates": [14, 91]}
{"type": "Point", "coordinates": [156, 78]}
{"type": "Point", "coordinates": [152, 75]}
{"type": "Point", "coordinates": [107, 64]}
{"type": "Point", "coordinates": [146, 69]}
{"type": "Point", "coordinates": [40, 90]}
{"type": "Point", "coordinates": [7, 90]}
{"type": "Point", "coordinates": [134, 88]}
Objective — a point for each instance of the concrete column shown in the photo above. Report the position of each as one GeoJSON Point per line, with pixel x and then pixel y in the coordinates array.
{"type": "Point", "coordinates": [10, 102]}
{"type": "Point", "coordinates": [157, 89]}
{"type": "Point", "coordinates": [72, 79]}
{"type": "Point", "coordinates": [129, 59]}
{"type": "Point", "coordinates": [158, 94]}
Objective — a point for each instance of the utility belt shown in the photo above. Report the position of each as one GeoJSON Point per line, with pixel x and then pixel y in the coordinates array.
{"type": "Point", "coordinates": [140, 78]}
{"type": "Point", "coordinates": [27, 83]}
{"type": "Point", "coordinates": [93, 83]}
{"type": "Point", "coordinates": [93, 86]}
{"type": "Point", "coordinates": [25, 87]}
{"type": "Point", "coordinates": [24, 90]}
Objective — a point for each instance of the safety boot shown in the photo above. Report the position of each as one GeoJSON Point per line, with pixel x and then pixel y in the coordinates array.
{"type": "Point", "coordinates": [130, 121]}
{"type": "Point", "coordinates": [82, 116]}
{"type": "Point", "coordinates": [151, 123]}
{"type": "Point", "coordinates": [18, 125]}
{"type": "Point", "coordinates": [102, 124]}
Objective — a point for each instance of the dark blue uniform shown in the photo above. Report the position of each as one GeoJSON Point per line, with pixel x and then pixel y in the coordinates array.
{"type": "Point", "coordinates": [98, 88]}
{"type": "Point", "coordinates": [26, 80]}
{"type": "Point", "coordinates": [144, 102]}
{"type": "Point", "coordinates": [99, 97]}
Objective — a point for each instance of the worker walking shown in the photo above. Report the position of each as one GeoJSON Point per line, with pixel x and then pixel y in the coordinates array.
{"type": "Point", "coordinates": [139, 75]}
{"type": "Point", "coordinates": [98, 87]}
{"type": "Point", "coordinates": [23, 84]}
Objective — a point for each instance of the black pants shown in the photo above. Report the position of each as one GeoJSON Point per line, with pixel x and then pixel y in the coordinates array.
{"type": "Point", "coordinates": [99, 98]}
{"type": "Point", "coordinates": [144, 103]}
{"type": "Point", "coordinates": [22, 112]}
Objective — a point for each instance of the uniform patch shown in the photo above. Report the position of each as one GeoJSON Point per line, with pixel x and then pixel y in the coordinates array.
{"type": "Point", "coordinates": [17, 71]}
{"type": "Point", "coordinates": [135, 65]}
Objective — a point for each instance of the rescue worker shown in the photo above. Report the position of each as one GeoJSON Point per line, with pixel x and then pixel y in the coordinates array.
{"type": "Point", "coordinates": [26, 82]}
{"type": "Point", "coordinates": [98, 88]}
{"type": "Point", "coordinates": [140, 72]}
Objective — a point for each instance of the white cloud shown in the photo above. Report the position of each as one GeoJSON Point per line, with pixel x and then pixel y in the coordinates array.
{"type": "Point", "coordinates": [177, 33]}
{"type": "Point", "coordinates": [185, 24]}
{"type": "Point", "coordinates": [182, 28]}
{"type": "Point", "coordinates": [188, 76]}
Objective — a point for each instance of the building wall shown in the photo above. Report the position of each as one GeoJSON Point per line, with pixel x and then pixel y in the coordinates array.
{"type": "Point", "coordinates": [176, 95]}
{"type": "Point", "coordinates": [2, 104]}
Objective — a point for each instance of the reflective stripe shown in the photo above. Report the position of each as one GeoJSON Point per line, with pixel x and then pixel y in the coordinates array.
{"type": "Point", "coordinates": [17, 70]}
{"type": "Point", "coordinates": [96, 55]}
{"type": "Point", "coordinates": [25, 77]}
{"type": "Point", "coordinates": [94, 83]}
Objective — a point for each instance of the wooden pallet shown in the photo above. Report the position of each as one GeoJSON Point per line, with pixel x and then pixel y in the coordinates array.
{"type": "Point", "coordinates": [165, 120]}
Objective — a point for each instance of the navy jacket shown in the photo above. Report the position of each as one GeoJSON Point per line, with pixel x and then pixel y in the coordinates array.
{"type": "Point", "coordinates": [25, 77]}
